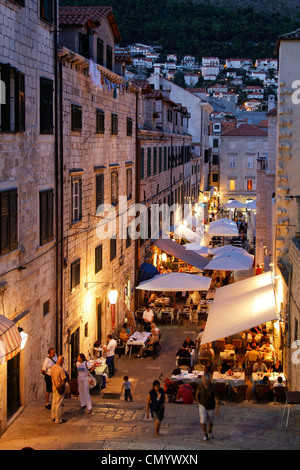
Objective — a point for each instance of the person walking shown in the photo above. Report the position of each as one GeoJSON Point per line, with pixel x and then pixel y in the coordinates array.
{"type": "Point", "coordinates": [208, 405]}
{"type": "Point", "coordinates": [50, 360]}
{"type": "Point", "coordinates": [59, 378]}
{"type": "Point", "coordinates": [156, 403]}
{"type": "Point", "coordinates": [83, 369]}
{"type": "Point", "coordinates": [127, 387]}
{"type": "Point", "coordinates": [110, 355]}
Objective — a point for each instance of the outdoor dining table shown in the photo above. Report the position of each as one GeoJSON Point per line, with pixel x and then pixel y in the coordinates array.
{"type": "Point", "coordinates": [227, 354]}
{"type": "Point", "coordinates": [101, 370]}
{"type": "Point", "coordinates": [137, 339]}
{"type": "Point", "coordinates": [272, 376]}
{"type": "Point", "coordinates": [237, 378]}
{"type": "Point", "coordinates": [187, 377]}
{"type": "Point", "coordinates": [166, 311]}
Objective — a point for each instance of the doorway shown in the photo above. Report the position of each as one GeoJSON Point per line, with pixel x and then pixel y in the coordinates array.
{"type": "Point", "coordinates": [74, 352]}
{"type": "Point", "coordinates": [99, 321]}
{"type": "Point", "coordinates": [13, 386]}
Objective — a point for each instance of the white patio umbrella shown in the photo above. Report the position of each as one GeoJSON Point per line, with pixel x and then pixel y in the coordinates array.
{"type": "Point", "coordinates": [223, 228]}
{"type": "Point", "coordinates": [235, 261]}
{"type": "Point", "coordinates": [202, 250]}
{"type": "Point", "coordinates": [235, 205]}
{"type": "Point", "coordinates": [251, 205]}
{"type": "Point", "coordinates": [176, 282]}
{"type": "Point", "coordinates": [221, 250]}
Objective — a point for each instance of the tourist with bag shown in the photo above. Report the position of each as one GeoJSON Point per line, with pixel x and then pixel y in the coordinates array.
{"type": "Point", "coordinates": [48, 363]}
{"type": "Point", "coordinates": [59, 378]}
{"type": "Point", "coordinates": [85, 381]}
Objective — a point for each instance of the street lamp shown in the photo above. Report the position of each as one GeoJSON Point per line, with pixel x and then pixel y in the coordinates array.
{"type": "Point", "coordinates": [112, 295]}
{"type": "Point", "coordinates": [24, 337]}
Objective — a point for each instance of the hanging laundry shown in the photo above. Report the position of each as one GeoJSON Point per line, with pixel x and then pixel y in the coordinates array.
{"type": "Point", "coordinates": [95, 74]}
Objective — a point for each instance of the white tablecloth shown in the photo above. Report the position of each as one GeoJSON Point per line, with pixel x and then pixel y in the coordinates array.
{"type": "Point", "coordinates": [273, 377]}
{"type": "Point", "coordinates": [238, 378]}
{"type": "Point", "coordinates": [166, 311]}
{"type": "Point", "coordinates": [137, 339]}
{"type": "Point", "coordinates": [187, 377]}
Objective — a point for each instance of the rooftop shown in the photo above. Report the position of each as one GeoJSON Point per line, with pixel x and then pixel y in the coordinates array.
{"type": "Point", "coordinates": [246, 130]}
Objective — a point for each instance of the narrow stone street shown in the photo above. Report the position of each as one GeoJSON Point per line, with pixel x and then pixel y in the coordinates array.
{"type": "Point", "coordinates": [118, 425]}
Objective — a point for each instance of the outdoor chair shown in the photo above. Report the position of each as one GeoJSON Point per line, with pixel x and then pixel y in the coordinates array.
{"type": "Point", "coordinates": [239, 392]}
{"type": "Point", "coordinates": [73, 387]}
{"type": "Point", "coordinates": [221, 390]}
{"type": "Point", "coordinates": [183, 361]}
{"type": "Point", "coordinates": [205, 361]}
{"type": "Point", "coordinates": [152, 350]}
{"type": "Point", "coordinates": [262, 392]}
{"type": "Point", "coordinates": [279, 394]}
{"type": "Point", "coordinates": [237, 344]}
{"type": "Point", "coordinates": [229, 346]}
{"type": "Point", "coordinates": [220, 344]}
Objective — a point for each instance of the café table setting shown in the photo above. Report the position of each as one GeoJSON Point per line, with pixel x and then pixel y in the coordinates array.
{"type": "Point", "coordinates": [272, 376]}
{"type": "Point", "coordinates": [166, 311]}
{"type": "Point", "coordinates": [186, 377]}
{"type": "Point", "coordinates": [139, 338]}
{"type": "Point", "coordinates": [233, 380]}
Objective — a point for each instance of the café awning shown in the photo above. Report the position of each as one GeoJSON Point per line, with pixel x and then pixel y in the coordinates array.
{"type": "Point", "coordinates": [147, 271]}
{"type": "Point", "coordinates": [176, 282]}
{"type": "Point", "coordinates": [240, 306]}
{"type": "Point", "coordinates": [10, 339]}
{"type": "Point", "coordinates": [173, 248]}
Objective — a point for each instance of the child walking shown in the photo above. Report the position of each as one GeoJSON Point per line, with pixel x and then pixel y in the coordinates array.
{"type": "Point", "coordinates": [127, 387]}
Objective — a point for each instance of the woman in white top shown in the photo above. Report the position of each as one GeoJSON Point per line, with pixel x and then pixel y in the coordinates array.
{"type": "Point", "coordinates": [83, 369]}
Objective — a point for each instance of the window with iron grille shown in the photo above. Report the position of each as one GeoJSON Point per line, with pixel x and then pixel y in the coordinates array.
{"type": "Point", "coordinates": [76, 199]}
{"type": "Point", "coordinates": [46, 10]}
{"type": "Point", "coordinates": [75, 274]}
{"type": "Point", "coordinates": [46, 216]}
{"type": "Point", "coordinates": [12, 90]}
{"type": "Point", "coordinates": [100, 121]}
{"type": "Point", "coordinates": [114, 124]}
{"type": "Point", "coordinates": [100, 52]}
{"type": "Point", "coordinates": [113, 248]}
{"type": "Point", "coordinates": [98, 258]}
{"type": "Point", "coordinates": [76, 118]}
{"type": "Point", "coordinates": [8, 221]}
{"type": "Point", "coordinates": [129, 127]}
{"type": "Point", "coordinates": [46, 106]}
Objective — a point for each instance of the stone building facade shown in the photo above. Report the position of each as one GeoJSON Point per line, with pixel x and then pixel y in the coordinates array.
{"type": "Point", "coordinates": [265, 196]}
{"type": "Point", "coordinates": [287, 222]}
{"type": "Point", "coordinates": [239, 150]}
{"type": "Point", "coordinates": [164, 170]}
{"type": "Point", "coordinates": [28, 189]}
{"type": "Point", "coordinates": [99, 148]}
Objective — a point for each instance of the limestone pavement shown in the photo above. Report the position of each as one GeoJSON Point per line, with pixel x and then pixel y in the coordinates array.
{"type": "Point", "coordinates": [116, 425]}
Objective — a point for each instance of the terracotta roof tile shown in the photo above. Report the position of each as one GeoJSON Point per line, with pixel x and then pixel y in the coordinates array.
{"type": "Point", "coordinates": [80, 16]}
{"type": "Point", "coordinates": [246, 130]}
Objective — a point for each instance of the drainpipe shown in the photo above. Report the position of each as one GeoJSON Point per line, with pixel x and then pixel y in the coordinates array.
{"type": "Point", "coordinates": [137, 196]}
{"type": "Point", "coordinates": [56, 152]}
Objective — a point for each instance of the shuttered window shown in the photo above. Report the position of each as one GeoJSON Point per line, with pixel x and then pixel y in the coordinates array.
{"type": "Point", "coordinates": [100, 121]}
{"type": "Point", "coordinates": [114, 188]}
{"type": "Point", "coordinates": [75, 274]}
{"type": "Point", "coordinates": [98, 258]}
{"type": "Point", "coordinates": [8, 221]}
{"type": "Point", "coordinates": [129, 127]}
{"type": "Point", "coordinates": [84, 45]}
{"type": "Point", "coordinates": [114, 124]}
{"type": "Point", "coordinates": [109, 57]}
{"type": "Point", "coordinates": [99, 190]}
{"type": "Point", "coordinates": [76, 199]}
{"type": "Point", "coordinates": [113, 248]}
{"type": "Point", "coordinates": [76, 118]}
{"type": "Point", "coordinates": [142, 164]}
{"type": "Point", "coordinates": [46, 216]}
{"type": "Point", "coordinates": [46, 106]}
{"type": "Point", "coordinates": [100, 52]}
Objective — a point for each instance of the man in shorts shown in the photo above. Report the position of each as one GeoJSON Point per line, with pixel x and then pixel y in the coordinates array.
{"type": "Point", "coordinates": [208, 406]}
